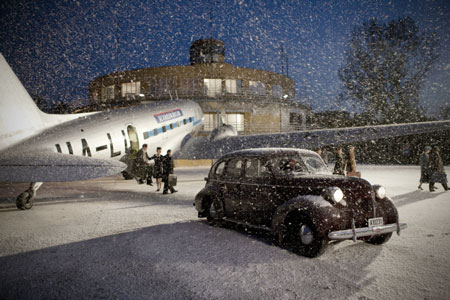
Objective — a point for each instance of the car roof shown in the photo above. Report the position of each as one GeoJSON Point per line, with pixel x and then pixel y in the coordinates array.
{"type": "Point", "coordinates": [269, 152]}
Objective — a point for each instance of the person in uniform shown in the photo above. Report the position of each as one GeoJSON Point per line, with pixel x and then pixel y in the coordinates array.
{"type": "Point", "coordinates": [424, 170]}
{"type": "Point", "coordinates": [339, 164]}
{"type": "Point", "coordinates": [350, 161]}
{"type": "Point", "coordinates": [167, 170]}
{"type": "Point", "coordinates": [437, 170]}
{"type": "Point", "coordinates": [158, 168]}
{"type": "Point", "coordinates": [143, 166]}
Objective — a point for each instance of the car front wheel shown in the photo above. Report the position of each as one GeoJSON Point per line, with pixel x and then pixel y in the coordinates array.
{"type": "Point", "coordinates": [305, 240]}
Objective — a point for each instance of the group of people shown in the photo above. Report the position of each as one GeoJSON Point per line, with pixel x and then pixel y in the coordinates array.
{"type": "Point", "coordinates": [432, 169]}
{"type": "Point", "coordinates": [345, 163]}
{"type": "Point", "coordinates": [158, 166]}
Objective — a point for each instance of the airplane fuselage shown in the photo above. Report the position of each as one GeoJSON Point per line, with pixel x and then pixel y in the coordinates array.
{"type": "Point", "coordinates": [111, 134]}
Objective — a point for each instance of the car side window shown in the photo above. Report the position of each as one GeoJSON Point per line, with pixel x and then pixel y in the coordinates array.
{"type": "Point", "coordinates": [252, 168]}
{"type": "Point", "coordinates": [219, 169]}
{"type": "Point", "coordinates": [234, 168]}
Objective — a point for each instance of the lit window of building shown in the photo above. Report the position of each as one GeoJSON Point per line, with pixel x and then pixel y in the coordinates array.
{"type": "Point", "coordinates": [131, 88]}
{"type": "Point", "coordinates": [213, 87]}
{"type": "Point", "coordinates": [233, 86]}
{"type": "Point", "coordinates": [277, 91]}
{"type": "Point", "coordinates": [209, 121]}
{"type": "Point", "coordinates": [108, 93]}
{"type": "Point", "coordinates": [257, 88]}
{"type": "Point", "coordinates": [236, 120]}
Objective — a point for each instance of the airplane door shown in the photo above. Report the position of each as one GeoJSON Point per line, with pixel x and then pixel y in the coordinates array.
{"type": "Point", "coordinates": [134, 141]}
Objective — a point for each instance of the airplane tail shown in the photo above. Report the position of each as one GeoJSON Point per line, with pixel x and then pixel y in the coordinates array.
{"type": "Point", "coordinates": [19, 115]}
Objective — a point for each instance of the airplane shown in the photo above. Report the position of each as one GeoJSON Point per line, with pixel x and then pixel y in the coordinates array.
{"type": "Point", "coordinates": [37, 147]}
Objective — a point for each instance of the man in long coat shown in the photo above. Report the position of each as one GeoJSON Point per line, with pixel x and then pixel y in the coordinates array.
{"type": "Point", "coordinates": [168, 169]}
{"type": "Point", "coordinates": [143, 166]}
{"type": "Point", "coordinates": [424, 164]}
{"type": "Point", "coordinates": [437, 169]}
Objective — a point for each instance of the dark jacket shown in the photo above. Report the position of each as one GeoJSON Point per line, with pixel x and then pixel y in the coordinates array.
{"type": "Point", "coordinates": [168, 166]}
{"type": "Point", "coordinates": [339, 165]}
{"type": "Point", "coordinates": [437, 168]}
{"type": "Point", "coordinates": [424, 168]}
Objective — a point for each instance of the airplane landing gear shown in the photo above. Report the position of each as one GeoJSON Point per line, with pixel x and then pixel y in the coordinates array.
{"type": "Point", "coordinates": [25, 199]}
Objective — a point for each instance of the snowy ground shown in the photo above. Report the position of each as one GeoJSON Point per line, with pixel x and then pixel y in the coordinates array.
{"type": "Point", "coordinates": [109, 238]}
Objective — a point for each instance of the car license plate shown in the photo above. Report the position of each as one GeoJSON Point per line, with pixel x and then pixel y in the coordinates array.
{"type": "Point", "coordinates": [375, 222]}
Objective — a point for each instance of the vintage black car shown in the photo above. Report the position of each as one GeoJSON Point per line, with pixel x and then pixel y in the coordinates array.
{"type": "Point", "coordinates": [291, 193]}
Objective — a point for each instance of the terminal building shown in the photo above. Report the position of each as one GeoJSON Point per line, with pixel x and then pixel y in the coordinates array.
{"type": "Point", "coordinates": [251, 100]}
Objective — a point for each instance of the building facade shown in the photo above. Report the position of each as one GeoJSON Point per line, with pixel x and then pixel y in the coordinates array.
{"type": "Point", "coordinates": [252, 101]}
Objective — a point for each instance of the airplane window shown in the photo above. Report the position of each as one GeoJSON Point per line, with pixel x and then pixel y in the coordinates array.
{"type": "Point", "coordinates": [190, 120]}
{"type": "Point", "coordinates": [171, 126]}
{"type": "Point", "coordinates": [146, 135]}
{"type": "Point", "coordinates": [184, 121]}
{"type": "Point", "coordinates": [58, 148]}
{"type": "Point", "coordinates": [69, 147]}
{"type": "Point", "coordinates": [164, 128]}
{"type": "Point", "coordinates": [155, 132]}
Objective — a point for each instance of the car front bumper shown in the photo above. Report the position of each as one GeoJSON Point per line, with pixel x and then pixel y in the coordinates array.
{"type": "Point", "coordinates": [355, 233]}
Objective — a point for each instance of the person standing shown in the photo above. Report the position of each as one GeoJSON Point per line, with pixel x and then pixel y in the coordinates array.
{"type": "Point", "coordinates": [168, 169]}
{"type": "Point", "coordinates": [158, 168]}
{"type": "Point", "coordinates": [424, 170]}
{"type": "Point", "coordinates": [350, 162]}
{"type": "Point", "coordinates": [339, 164]}
{"type": "Point", "coordinates": [437, 170]}
{"type": "Point", "coordinates": [143, 166]}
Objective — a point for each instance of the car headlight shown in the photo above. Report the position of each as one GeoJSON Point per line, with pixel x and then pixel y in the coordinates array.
{"type": "Point", "coordinates": [380, 191]}
{"type": "Point", "coordinates": [335, 194]}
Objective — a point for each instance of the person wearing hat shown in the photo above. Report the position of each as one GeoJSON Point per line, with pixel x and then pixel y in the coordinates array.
{"type": "Point", "coordinates": [437, 169]}
{"type": "Point", "coordinates": [424, 170]}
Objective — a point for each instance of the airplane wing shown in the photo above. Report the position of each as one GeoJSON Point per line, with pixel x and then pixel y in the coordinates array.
{"type": "Point", "coordinates": [205, 148]}
{"type": "Point", "coordinates": [41, 166]}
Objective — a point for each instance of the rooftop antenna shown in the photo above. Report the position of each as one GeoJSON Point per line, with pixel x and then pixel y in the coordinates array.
{"type": "Point", "coordinates": [284, 62]}
{"type": "Point", "coordinates": [211, 18]}
{"type": "Point", "coordinates": [117, 41]}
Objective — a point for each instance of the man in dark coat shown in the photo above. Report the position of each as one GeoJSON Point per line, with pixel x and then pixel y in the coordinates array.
{"type": "Point", "coordinates": [143, 166]}
{"type": "Point", "coordinates": [168, 169]}
{"type": "Point", "coordinates": [437, 169]}
{"type": "Point", "coordinates": [339, 164]}
{"type": "Point", "coordinates": [424, 171]}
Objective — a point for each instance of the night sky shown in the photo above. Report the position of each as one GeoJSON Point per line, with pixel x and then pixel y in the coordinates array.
{"type": "Point", "coordinates": [57, 47]}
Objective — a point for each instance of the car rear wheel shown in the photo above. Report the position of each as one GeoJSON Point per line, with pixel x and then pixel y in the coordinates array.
{"type": "Point", "coordinates": [379, 239]}
{"type": "Point", "coordinates": [305, 240]}
{"type": "Point", "coordinates": [214, 213]}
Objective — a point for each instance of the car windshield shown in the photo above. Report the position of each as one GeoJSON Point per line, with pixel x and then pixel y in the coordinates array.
{"type": "Point", "coordinates": [315, 165]}
{"type": "Point", "coordinates": [297, 166]}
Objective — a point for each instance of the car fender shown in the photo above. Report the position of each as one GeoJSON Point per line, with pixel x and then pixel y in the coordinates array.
{"type": "Point", "coordinates": [320, 212]}
{"type": "Point", "coordinates": [198, 202]}
{"type": "Point", "coordinates": [386, 208]}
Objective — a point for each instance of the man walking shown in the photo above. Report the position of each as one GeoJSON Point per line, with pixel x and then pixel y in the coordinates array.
{"type": "Point", "coordinates": [168, 169]}
{"type": "Point", "coordinates": [437, 170]}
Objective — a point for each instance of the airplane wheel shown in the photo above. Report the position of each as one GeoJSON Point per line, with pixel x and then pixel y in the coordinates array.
{"type": "Point", "coordinates": [24, 201]}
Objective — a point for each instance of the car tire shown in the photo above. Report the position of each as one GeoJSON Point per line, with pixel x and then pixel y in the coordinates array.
{"type": "Point", "coordinates": [25, 201]}
{"type": "Point", "coordinates": [305, 240]}
{"type": "Point", "coordinates": [214, 212]}
{"type": "Point", "coordinates": [379, 239]}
